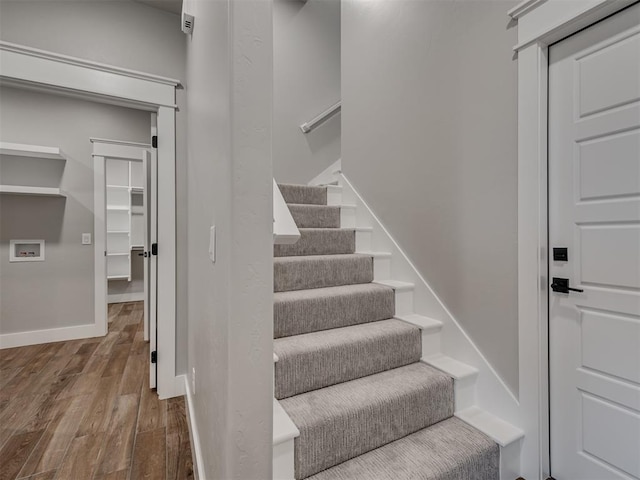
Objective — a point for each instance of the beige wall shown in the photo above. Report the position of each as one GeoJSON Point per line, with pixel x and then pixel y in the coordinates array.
{"type": "Point", "coordinates": [306, 81]}
{"type": "Point", "coordinates": [429, 139]}
{"type": "Point", "coordinates": [59, 291]}
{"type": "Point", "coordinates": [129, 35]}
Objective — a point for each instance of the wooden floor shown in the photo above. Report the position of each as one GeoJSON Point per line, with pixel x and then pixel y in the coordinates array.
{"type": "Point", "coordinates": [83, 410]}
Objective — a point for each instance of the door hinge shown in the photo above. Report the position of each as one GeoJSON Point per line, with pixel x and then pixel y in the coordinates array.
{"type": "Point", "coordinates": [154, 357]}
{"type": "Point", "coordinates": [154, 141]}
{"type": "Point", "coordinates": [154, 249]}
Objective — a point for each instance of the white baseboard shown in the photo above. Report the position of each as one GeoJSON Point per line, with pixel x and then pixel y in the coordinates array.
{"type": "Point", "coordinates": [196, 447]}
{"type": "Point", "coordinates": [36, 337]}
{"type": "Point", "coordinates": [125, 297]}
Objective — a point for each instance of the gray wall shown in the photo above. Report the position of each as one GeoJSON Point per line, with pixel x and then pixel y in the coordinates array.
{"type": "Point", "coordinates": [129, 35]}
{"type": "Point", "coordinates": [229, 173]}
{"type": "Point", "coordinates": [429, 139]}
{"type": "Point", "coordinates": [306, 81]}
{"type": "Point", "coordinates": [59, 291]}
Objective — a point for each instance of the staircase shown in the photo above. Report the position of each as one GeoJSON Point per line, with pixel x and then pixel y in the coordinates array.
{"type": "Point", "coordinates": [349, 373]}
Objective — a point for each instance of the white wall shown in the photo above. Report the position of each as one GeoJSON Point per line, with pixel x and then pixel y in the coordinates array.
{"type": "Point", "coordinates": [126, 34]}
{"type": "Point", "coordinates": [229, 72]}
{"type": "Point", "coordinates": [306, 81]}
{"type": "Point", "coordinates": [429, 139]}
{"type": "Point", "coordinates": [59, 291]}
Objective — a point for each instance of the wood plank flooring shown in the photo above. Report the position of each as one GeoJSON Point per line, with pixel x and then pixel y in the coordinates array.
{"type": "Point", "coordinates": [83, 410]}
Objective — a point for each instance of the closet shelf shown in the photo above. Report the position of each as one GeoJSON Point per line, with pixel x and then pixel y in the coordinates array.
{"type": "Point", "coordinates": [118, 277]}
{"type": "Point", "coordinates": [119, 254]}
{"type": "Point", "coordinates": [35, 151]}
{"type": "Point", "coordinates": [28, 190]}
{"type": "Point", "coordinates": [116, 209]}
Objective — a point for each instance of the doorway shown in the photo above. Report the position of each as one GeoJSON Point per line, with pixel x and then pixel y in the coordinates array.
{"type": "Point", "coordinates": [126, 229]}
{"type": "Point", "coordinates": [594, 243]}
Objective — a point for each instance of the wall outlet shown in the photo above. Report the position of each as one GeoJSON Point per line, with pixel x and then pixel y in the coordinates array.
{"type": "Point", "coordinates": [86, 239]}
{"type": "Point", "coordinates": [193, 381]}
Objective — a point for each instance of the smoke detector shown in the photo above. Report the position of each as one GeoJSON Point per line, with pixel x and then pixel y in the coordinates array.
{"type": "Point", "coordinates": [187, 23]}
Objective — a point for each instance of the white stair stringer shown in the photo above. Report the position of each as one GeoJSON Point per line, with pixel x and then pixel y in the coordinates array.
{"type": "Point", "coordinates": [482, 397]}
{"type": "Point", "coordinates": [284, 434]}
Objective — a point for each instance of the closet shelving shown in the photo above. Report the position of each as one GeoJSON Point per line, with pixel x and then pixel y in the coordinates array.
{"type": "Point", "coordinates": [32, 151]}
{"type": "Point", "coordinates": [124, 217]}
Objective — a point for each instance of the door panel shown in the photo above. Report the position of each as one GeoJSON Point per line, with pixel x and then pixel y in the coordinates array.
{"type": "Point", "coordinates": [594, 211]}
{"type": "Point", "coordinates": [603, 420]}
{"type": "Point", "coordinates": [594, 71]}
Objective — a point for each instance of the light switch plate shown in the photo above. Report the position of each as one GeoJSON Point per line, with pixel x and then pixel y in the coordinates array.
{"type": "Point", "coordinates": [212, 244]}
{"type": "Point", "coordinates": [86, 239]}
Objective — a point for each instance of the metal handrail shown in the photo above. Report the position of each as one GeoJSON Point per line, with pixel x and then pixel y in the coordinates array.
{"type": "Point", "coordinates": [320, 119]}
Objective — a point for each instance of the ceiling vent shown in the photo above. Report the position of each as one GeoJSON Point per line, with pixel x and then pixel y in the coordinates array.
{"type": "Point", "coordinates": [187, 23]}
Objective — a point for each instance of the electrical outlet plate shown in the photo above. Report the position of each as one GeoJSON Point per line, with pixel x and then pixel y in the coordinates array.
{"type": "Point", "coordinates": [86, 239]}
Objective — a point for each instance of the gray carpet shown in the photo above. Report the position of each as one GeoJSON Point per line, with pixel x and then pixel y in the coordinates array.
{"type": "Point", "coordinates": [449, 450]}
{"type": "Point", "coordinates": [315, 271]}
{"type": "Point", "coordinates": [349, 375]}
{"type": "Point", "coordinates": [343, 421]}
{"type": "Point", "coordinates": [319, 241]}
{"type": "Point", "coordinates": [315, 216]}
{"type": "Point", "coordinates": [316, 360]}
{"type": "Point", "coordinates": [303, 194]}
{"type": "Point", "coordinates": [303, 311]}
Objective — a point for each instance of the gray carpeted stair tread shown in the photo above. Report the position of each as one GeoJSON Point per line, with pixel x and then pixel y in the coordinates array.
{"type": "Point", "coordinates": [303, 194]}
{"type": "Point", "coordinates": [319, 241]}
{"type": "Point", "coordinates": [342, 421]}
{"type": "Point", "coordinates": [316, 360]}
{"type": "Point", "coordinates": [316, 271]}
{"type": "Point", "coordinates": [449, 450]}
{"type": "Point", "coordinates": [315, 216]}
{"type": "Point", "coordinates": [303, 311]}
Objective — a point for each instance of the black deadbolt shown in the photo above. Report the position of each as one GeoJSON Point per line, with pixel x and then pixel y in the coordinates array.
{"type": "Point", "coordinates": [560, 254]}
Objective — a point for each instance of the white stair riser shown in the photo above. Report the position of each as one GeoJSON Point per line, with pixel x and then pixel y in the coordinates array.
{"type": "Point", "coordinates": [510, 461]}
{"type": "Point", "coordinates": [347, 217]}
{"type": "Point", "coordinates": [404, 302]}
{"type": "Point", "coordinates": [363, 241]}
{"type": "Point", "coordinates": [430, 342]}
{"type": "Point", "coordinates": [465, 392]}
{"type": "Point", "coordinates": [381, 268]}
{"type": "Point", "coordinates": [283, 461]}
{"type": "Point", "coordinates": [334, 195]}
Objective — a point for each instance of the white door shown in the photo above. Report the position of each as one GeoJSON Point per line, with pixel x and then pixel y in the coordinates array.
{"type": "Point", "coordinates": [594, 212]}
{"type": "Point", "coordinates": [151, 239]}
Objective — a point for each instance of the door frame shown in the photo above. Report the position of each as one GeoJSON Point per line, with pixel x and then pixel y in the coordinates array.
{"type": "Point", "coordinates": [540, 24]}
{"type": "Point", "coordinates": [40, 70]}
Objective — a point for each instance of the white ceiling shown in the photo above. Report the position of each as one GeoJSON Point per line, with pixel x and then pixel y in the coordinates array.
{"type": "Point", "coordinates": [173, 6]}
